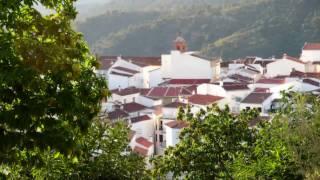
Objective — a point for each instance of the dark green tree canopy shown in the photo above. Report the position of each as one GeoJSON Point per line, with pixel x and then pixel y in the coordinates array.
{"type": "Point", "coordinates": [49, 92]}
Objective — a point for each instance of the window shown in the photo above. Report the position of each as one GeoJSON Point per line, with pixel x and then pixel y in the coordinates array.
{"type": "Point", "coordinates": [259, 109]}
{"type": "Point", "coordinates": [161, 125]}
{"type": "Point", "coordinates": [161, 138]}
{"type": "Point", "coordinates": [247, 108]}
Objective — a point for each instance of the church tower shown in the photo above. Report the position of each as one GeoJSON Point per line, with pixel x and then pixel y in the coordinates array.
{"type": "Point", "coordinates": [180, 44]}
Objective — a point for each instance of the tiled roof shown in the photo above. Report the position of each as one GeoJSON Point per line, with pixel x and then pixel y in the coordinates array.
{"type": "Point", "coordinates": [129, 91]}
{"type": "Point", "coordinates": [140, 151]}
{"type": "Point", "coordinates": [312, 82]}
{"type": "Point", "coordinates": [235, 87]}
{"type": "Point", "coordinates": [175, 105]}
{"type": "Point", "coordinates": [188, 81]}
{"type": "Point", "coordinates": [311, 46]}
{"type": "Point", "coordinates": [168, 92]}
{"type": "Point", "coordinates": [133, 107]}
{"type": "Point", "coordinates": [271, 81]}
{"type": "Point", "coordinates": [120, 74]}
{"type": "Point", "coordinates": [140, 118]}
{"type": "Point", "coordinates": [126, 69]}
{"type": "Point", "coordinates": [241, 78]}
{"type": "Point", "coordinates": [144, 142]}
{"type": "Point", "coordinates": [302, 74]}
{"type": "Point", "coordinates": [203, 99]}
{"type": "Point", "coordinates": [177, 124]}
{"type": "Point", "coordinates": [105, 64]}
{"type": "Point", "coordinates": [117, 114]}
{"type": "Point", "coordinates": [139, 61]}
{"type": "Point", "coordinates": [261, 90]}
{"type": "Point", "coordinates": [256, 98]}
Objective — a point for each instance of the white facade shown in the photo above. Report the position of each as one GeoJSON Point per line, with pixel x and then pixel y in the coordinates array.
{"type": "Point", "coordinates": [310, 55]}
{"type": "Point", "coordinates": [179, 65]}
{"type": "Point", "coordinates": [172, 136]}
{"type": "Point", "coordinates": [265, 106]}
{"type": "Point", "coordinates": [144, 128]}
{"type": "Point", "coordinates": [283, 67]}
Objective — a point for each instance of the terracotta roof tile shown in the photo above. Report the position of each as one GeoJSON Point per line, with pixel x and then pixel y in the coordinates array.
{"type": "Point", "coordinates": [311, 46]}
{"type": "Point", "coordinates": [144, 142]}
{"type": "Point", "coordinates": [272, 81]}
{"type": "Point", "coordinates": [256, 98]}
{"type": "Point", "coordinates": [188, 81]}
{"type": "Point", "coordinates": [117, 114]}
{"type": "Point", "coordinates": [133, 107]}
{"type": "Point", "coordinates": [312, 82]}
{"type": "Point", "coordinates": [129, 91]}
{"type": "Point", "coordinates": [203, 99]}
{"type": "Point", "coordinates": [140, 118]}
{"type": "Point", "coordinates": [177, 124]}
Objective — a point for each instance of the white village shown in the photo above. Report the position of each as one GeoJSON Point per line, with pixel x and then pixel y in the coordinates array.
{"type": "Point", "coordinates": [147, 92]}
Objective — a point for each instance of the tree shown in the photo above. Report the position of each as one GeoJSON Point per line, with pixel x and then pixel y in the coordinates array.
{"type": "Point", "coordinates": [104, 155]}
{"type": "Point", "coordinates": [209, 146]}
{"type": "Point", "coordinates": [49, 93]}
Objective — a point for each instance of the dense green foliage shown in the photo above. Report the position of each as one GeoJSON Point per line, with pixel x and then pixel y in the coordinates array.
{"type": "Point", "coordinates": [219, 145]}
{"type": "Point", "coordinates": [247, 27]}
{"type": "Point", "coordinates": [49, 97]}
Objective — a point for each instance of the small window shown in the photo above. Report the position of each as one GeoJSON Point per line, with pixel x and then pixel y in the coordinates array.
{"type": "Point", "coordinates": [247, 108]}
{"type": "Point", "coordinates": [161, 125]}
{"type": "Point", "coordinates": [259, 109]}
{"type": "Point", "coordinates": [161, 138]}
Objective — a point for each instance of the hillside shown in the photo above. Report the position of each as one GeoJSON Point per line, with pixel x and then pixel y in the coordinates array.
{"type": "Point", "coordinates": [217, 28]}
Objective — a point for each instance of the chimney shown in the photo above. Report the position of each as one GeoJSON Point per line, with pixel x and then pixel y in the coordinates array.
{"type": "Point", "coordinates": [285, 56]}
{"type": "Point", "coordinates": [119, 88]}
{"type": "Point", "coordinates": [221, 83]}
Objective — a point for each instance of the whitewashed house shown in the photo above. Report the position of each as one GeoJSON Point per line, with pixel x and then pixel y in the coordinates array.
{"type": "Point", "coordinates": [259, 100]}
{"type": "Point", "coordinates": [310, 52]}
{"type": "Point", "coordinates": [284, 66]}
{"type": "Point", "coordinates": [173, 130]}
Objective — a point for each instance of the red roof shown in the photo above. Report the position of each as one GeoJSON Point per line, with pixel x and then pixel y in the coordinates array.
{"type": "Point", "coordinates": [241, 78]}
{"type": "Point", "coordinates": [203, 99]}
{"type": "Point", "coordinates": [264, 90]}
{"type": "Point", "coordinates": [140, 118]}
{"type": "Point", "coordinates": [133, 107]}
{"type": "Point", "coordinates": [117, 114]}
{"type": "Point", "coordinates": [311, 46]}
{"type": "Point", "coordinates": [272, 81]}
{"type": "Point", "coordinates": [235, 87]}
{"type": "Point", "coordinates": [129, 91]}
{"type": "Point", "coordinates": [140, 151]}
{"type": "Point", "coordinates": [125, 69]}
{"type": "Point", "coordinates": [177, 124]}
{"type": "Point", "coordinates": [188, 81]}
{"type": "Point", "coordinates": [256, 98]}
{"type": "Point", "coordinates": [168, 91]}
{"type": "Point", "coordinates": [144, 142]}
{"type": "Point", "coordinates": [302, 74]}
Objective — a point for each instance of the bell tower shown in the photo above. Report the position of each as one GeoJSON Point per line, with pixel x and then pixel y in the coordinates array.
{"type": "Point", "coordinates": [180, 44]}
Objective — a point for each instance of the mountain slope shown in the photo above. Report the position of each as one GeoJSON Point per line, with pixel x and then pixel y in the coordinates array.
{"type": "Point", "coordinates": [251, 27]}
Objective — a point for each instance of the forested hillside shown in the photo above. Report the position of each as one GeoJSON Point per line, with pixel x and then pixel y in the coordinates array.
{"type": "Point", "coordinates": [217, 28]}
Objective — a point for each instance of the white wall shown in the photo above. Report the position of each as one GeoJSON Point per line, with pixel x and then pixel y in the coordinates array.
{"type": "Point", "coordinates": [116, 81]}
{"type": "Point", "coordinates": [265, 106]}
{"type": "Point", "coordinates": [172, 136]}
{"type": "Point", "coordinates": [155, 78]}
{"type": "Point", "coordinates": [169, 113]}
{"type": "Point", "coordinates": [144, 128]}
{"type": "Point", "coordinates": [310, 55]}
{"type": "Point", "coordinates": [211, 89]}
{"type": "Point", "coordinates": [185, 66]}
{"type": "Point", "coordinates": [128, 98]}
{"type": "Point", "coordinates": [283, 67]}
{"type": "Point", "coordinates": [147, 101]}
